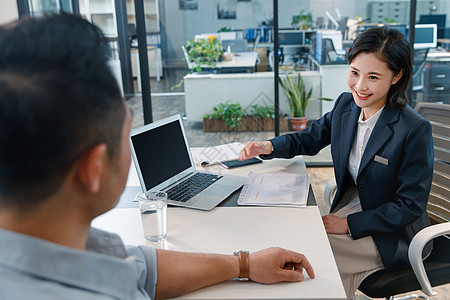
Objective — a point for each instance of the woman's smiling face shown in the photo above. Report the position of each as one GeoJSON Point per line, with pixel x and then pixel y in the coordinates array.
{"type": "Point", "coordinates": [369, 80]}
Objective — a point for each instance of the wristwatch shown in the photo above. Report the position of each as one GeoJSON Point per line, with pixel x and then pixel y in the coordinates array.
{"type": "Point", "coordinates": [244, 267]}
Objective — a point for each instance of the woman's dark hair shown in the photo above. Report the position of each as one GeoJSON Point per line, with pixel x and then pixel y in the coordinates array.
{"type": "Point", "coordinates": [58, 99]}
{"type": "Point", "coordinates": [392, 47]}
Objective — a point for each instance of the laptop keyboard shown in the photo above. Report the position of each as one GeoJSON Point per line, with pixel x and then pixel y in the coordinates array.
{"type": "Point", "coordinates": [190, 187]}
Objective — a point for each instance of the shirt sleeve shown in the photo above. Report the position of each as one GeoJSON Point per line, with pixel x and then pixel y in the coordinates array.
{"type": "Point", "coordinates": [149, 277]}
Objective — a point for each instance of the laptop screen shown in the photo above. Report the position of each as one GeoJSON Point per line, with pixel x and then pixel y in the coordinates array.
{"type": "Point", "coordinates": [161, 153]}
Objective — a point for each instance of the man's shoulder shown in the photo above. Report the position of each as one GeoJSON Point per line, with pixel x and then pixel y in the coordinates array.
{"type": "Point", "coordinates": [30, 266]}
{"type": "Point", "coordinates": [19, 285]}
{"type": "Point", "coordinates": [105, 242]}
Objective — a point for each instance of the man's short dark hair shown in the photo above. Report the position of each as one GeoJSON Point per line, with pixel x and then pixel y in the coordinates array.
{"type": "Point", "coordinates": [58, 98]}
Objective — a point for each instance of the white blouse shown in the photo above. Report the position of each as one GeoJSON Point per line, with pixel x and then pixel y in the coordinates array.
{"type": "Point", "coordinates": [363, 133]}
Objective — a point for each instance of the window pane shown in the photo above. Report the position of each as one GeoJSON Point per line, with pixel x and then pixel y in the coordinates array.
{"type": "Point", "coordinates": [314, 38]}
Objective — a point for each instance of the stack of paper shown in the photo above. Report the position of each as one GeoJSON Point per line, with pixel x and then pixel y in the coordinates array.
{"type": "Point", "coordinates": [217, 153]}
{"type": "Point", "coordinates": [275, 190]}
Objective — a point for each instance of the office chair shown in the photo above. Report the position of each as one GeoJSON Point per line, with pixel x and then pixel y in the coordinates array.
{"type": "Point", "coordinates": [419, 60]}
{"type": "Point", "coordinates": [329, 54]}
{"type": "Point", "coordinates": [435, 269]}
{"type": "Point", "coordinates": [256, 42]}
{"type": "Point", "coordinates": [186, 57]}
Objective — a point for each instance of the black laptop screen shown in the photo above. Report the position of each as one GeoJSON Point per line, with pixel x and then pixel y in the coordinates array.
{"type": "Point", "coordinates": [161, 153]}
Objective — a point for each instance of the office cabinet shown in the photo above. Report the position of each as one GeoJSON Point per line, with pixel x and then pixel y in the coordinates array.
{"type": "Point", "coordinates": [379, 11]}
{"type": "Point", "coordinates": [103, 14]}
{"type": "Point", "coordinates": [151, 11]}
{"type": "Point", "coordinates": [437, 82]}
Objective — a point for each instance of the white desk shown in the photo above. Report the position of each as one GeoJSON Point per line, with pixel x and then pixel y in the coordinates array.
{"type": "Point", "coordinates": [242, 61]}
{"type": "Point", "coordinates": [204, 91]}
{"type": "Point", "coordinates": [226, 229]}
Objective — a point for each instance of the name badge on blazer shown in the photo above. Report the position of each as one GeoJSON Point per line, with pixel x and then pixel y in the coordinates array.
{"type": "Point", "coordinates": [381, 160]}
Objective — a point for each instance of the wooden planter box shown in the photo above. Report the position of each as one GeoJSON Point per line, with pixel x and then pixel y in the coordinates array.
{"type": "Point", "coordinates": [249, 123]}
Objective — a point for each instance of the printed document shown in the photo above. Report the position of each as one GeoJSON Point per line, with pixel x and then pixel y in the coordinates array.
{"type": "Point", "coordinates": [275, 190]}
{"type": "Point", "coordinates": [217, 153]}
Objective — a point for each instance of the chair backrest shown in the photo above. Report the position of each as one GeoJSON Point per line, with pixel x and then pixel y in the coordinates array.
{"type": "Point", "coordinates": [256, 42]}
{"type": "Point", "coordinates": [327, 48]}
{"type": "Point", "coordinates": [419, 60]}
{"type": "Point", "coordinates": [438, 203]}
{"type": "Point", "coordinates": [186, 57]}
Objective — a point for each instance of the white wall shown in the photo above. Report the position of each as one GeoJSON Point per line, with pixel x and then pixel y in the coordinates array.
{"type": "Point", "coordinates": [8, 11]}
{"type": "Point", "coordinates": [204, 92]}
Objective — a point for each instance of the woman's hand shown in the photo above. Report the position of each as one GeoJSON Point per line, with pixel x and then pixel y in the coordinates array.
{"type": "Point", "coordinates": [335, 225]}
{"type": "Point", "coordinates": [253, 149]}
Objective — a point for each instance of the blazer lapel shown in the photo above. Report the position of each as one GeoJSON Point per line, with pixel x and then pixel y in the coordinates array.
{"type": "Point", "coordinates": [349, 124]}
{"type": "Point", "coordinates": [379, 136]}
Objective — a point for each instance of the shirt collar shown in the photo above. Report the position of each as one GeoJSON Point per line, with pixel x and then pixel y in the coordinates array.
{"type": "Point", "coordinates": [83, 269]}
{"type": "Point", "coordinates": [372, 120]}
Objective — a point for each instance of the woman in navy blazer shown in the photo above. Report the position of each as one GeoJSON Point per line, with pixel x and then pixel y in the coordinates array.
{"type": "Point", "coordinates": [394, 175]}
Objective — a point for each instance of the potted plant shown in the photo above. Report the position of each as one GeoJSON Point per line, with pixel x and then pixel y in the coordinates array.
{"type": "Point", "coordinates": [229, 112]}
{"type": "Point", "coordinates": [298, 98]}
{"type": "Point", "coordinates": [230, 116]}
{"type": "Point", "coordinates": [263, 118]}
{"type": "Point", "coordinates": [302, 20]}
{"type": "Point", "coordinates": [206, 52]}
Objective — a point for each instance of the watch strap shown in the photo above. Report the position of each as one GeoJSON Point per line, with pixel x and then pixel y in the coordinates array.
{"type": "Point", "coordinates": [244, 266]}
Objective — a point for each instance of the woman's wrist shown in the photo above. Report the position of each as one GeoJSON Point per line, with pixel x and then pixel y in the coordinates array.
{"type": "Point", "coordinates": [268, 147]}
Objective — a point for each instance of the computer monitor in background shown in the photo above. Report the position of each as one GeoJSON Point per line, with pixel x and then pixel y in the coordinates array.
{"type": "Point", "coordinates": [439, 20]}
{"type": "Point", "coordinates": [401, 28]}
{"type": "Point", "coordinates": [290, 37]}
{"type": "Point", "coordinates": [425, 36]}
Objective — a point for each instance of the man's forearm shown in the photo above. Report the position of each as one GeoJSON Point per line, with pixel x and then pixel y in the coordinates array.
{"type": "Point", "coordinates": [180, 272]}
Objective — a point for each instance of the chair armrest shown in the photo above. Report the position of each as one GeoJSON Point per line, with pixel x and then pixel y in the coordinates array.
{"type": "Point", "coordinates": [329, 191]}
{"type": "Point", "coordinates": [415, 253]}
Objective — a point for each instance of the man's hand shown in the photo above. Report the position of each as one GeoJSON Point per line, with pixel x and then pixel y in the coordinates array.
{"type": "Point", "coordinates": [335, 225]}
{"type": "Point", "coordinates": [192, 271]}
{"type": "Point", "coordinates": [253, 149]}
{"type": "Point", "coordinates": [277, 264]}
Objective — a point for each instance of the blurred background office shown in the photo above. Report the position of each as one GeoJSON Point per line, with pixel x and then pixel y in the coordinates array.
{"type": "Point", "coordinates": [213, 61]}
{"type": "Point", "coordinates": [313, 36]}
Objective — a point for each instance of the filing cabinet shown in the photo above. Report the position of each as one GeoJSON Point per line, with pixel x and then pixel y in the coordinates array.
{"type": "Point", "coordinates": [437, 82]}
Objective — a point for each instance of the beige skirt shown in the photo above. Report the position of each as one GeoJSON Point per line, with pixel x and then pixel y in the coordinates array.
{"type": "Point", "coordinates": [355, 259]}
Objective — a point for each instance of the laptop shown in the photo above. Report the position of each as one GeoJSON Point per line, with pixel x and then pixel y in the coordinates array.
{"type": "Point", "coordinates": [164, 162]}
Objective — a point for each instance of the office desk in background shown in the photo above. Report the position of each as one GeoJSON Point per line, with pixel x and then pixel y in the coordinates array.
{"type": "Point", "coordinates": [226, 229]}
{"type": "Point", "coordinates": [245, 88]}
{"type": "Point", "coordinates": [243, 62]}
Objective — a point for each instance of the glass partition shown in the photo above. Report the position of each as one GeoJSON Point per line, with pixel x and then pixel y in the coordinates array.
{"type": "Point", "coordinates": [213, 61]}
{"type": "Point", "coordinates": [38, 7]}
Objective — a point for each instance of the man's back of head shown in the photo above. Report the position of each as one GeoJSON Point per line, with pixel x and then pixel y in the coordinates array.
{"type": "Point", "coordinates": [58, 98]}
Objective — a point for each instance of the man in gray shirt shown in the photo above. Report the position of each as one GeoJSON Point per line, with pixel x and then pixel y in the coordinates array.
{"type": "Point", "coordinates": [64, 159]}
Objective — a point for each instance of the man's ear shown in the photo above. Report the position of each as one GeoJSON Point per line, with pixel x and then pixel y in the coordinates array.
{"type": "Point", "coordinates": [91, 167]}
{"type": "Point", "coordinates": [397, 77]}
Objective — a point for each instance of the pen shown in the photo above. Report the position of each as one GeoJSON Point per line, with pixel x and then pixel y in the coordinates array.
{"type": "Point", "coordinates": [207, 164]}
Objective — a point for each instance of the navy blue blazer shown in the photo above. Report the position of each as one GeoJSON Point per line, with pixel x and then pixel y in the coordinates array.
{"type": "Point", "coordinates": [393, 190]}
